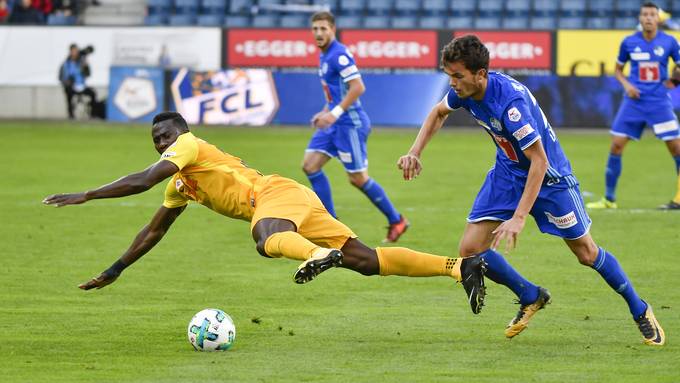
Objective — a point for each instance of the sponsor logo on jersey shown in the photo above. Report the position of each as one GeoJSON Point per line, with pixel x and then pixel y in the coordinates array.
{"type": "Point", "coordinates": [495, 124]}
{"type": "Point", "coordinates": [514, 115]}
{"type": "Point", "coordinates": [343, 60]}
{"type": "Point", "coordinates": [659, 51]}
{"type": "Point", "coordinates": [640, 56]}
{"type": "Point", "coordinates": [649, 71]}
{"type": "Point", "coordinates": [523, 132]}
{"type": "Point", "coordinates": [179, 184]}
{"type": "Point", "coordinates": [167, 154]}
{"type": "Point", "coordinates": [564, 222]}
{"type": "Point", "coordinates": [517, 86]}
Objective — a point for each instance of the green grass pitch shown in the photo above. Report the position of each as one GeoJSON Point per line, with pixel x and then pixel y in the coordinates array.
{"type": "Point", "coordinates": [341, 327]}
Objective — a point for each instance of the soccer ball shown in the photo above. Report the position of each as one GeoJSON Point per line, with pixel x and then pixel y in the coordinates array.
{"type": "Point", "coordinates": [211, 330]}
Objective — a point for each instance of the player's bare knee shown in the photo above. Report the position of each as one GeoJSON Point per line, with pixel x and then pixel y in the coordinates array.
{"type": "Point", "coordinates": [259, 246]}
{"type": "Point", "coordinates": [309, 168]}
{"type": "Point", "coordinates": [586, 254]}
{"type": "Point", "coordinates": [468, 250]}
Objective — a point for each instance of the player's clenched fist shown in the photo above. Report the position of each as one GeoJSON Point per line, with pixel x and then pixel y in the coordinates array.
{"type": "Point", "coordinates": [410, 165]}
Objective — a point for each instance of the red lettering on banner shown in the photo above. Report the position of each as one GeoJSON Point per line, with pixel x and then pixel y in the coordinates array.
{"type": "Point", "coordinates": [400, 49]}
{"type": "Point", "coordinates": [516, 50]}
{"type": "Point", "coordinates": [271, 47]}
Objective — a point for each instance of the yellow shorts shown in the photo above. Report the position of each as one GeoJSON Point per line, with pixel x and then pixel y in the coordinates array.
{"type": "Point", "coordinates": [280, 197]}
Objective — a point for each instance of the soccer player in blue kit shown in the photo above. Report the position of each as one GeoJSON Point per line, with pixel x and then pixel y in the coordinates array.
{"type": "Point", "coordinates": [531, 176]}
{"type": "Point", "coordinates": [646, 100]}
{"type": "Point", "coordinates": [343, 127]}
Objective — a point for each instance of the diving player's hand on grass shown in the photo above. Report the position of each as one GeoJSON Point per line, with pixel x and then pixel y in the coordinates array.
{"type": "Point", "coordinates": [508, 231]}
{"type": "Point", "coordinates": [632, 91]}
{"type": "Point", "coordinates": [410, 166]}
{"type": "Point", "coordinates": [59, 200]}
{"type": "Point", "coordinates": [323, 120]}
{"type": "Point", "coordinates": [104, 279]}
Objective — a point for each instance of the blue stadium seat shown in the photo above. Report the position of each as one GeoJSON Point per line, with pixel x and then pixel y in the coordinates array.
{"type": "Point", "coordinates": [663, 4]}
{"type": "Point", "coordinates": [490, 8]}
{"type": "Point", "coordinates": [599, 23]}
{"type": "Point", "coordinates": [463, 7]}
{"type": "Point", "coordinates": [294, 21]}
{"type": "Point", "coordinates": [348, 21]}
{"type": "Point", "coordinates": [404, 22]}
{"type": "Point", "coordinates": [432, 22]}
{"type": "Point", "coordinates": [625, 22]}
{"type": "Point", "coordinates": [627, 8]}
{"type": "Point", "coordinates": [265, 21]}
{"type": "Point", "coordinates": [601, 8]}
{"type": "Point", "coordinates": [186, 7]}
{"type": "Point", "coordinates": [407, 7]}
{"type": "Point", "coordinates": [545, 8]}
{"type": "Point", "coordinates": [574, 22]}
{"type": "Point", "coordinates": [239, 7]}
{"type": "Point", "coordinates": [268, 6]}
{"type": "Point", "coordinates": [158, 7]}
{"type": "Point", "coordinates": [519, 8]}
{"type": "Point", "coordinates": [180, 20]}
{"type": "Point", "coordinates": [331, 4]}
{"type": "Point", "coordinates": [543, 22]}
{"type": "Point", "coordinates": [675, 6]}
{"type": "Point", "coordinates": [435, 7]}
{"type": "Point", "coordinates": [61, 20]}
{"type": "Point", "coordinates": [376, 22]}
{"type": "Point", "coordinates": [215, 20]}
{"type": "Point", "coordinates": [572, 8]}
{"type": "Point", "coordinates": [236, 21]}
{"type": "Point", "coordinates": [459, 22]}
{"type": "Point", "coordinates": [352, 7]}
{"type": "Point", "coordinates": [379, 7]}
{"type": "Point", "coordinates": [515, 22]}
{"type": "Point", "coordinates": [154, 20]}
{"type": "Point", "coordinates": [213, 7]}
{"type": "Point", "coordinates": [487, 22]}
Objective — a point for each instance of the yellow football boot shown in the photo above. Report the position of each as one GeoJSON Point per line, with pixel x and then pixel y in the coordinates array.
{"type": "Point", "coordinates": [602, 204]}
{"type": "Point", "coordinates": [651, 330]}
{"type": "Point", "coordinates": [521, 320]}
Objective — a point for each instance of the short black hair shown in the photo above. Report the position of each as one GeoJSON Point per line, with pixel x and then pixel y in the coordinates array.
{"type": "Point", "coordinates": [468, 49]}
{"type": "Point", "coordinates": [176, 118]}
{"type": "Point", "coordinates": [324, 15]}
{"type": "Point", "coordinates": [649, 4]}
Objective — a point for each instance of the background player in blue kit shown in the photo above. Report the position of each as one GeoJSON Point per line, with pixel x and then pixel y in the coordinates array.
{"type": "Point", "coordinates": [646, 100]}
{"type": "Point", "coordinates": [343, 127]}
{"type": "Point", "coordinates": [531, 176]}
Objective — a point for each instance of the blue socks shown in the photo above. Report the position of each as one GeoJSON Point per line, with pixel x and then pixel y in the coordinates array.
{"type": "Point", "coordinates": [612, 176]}
{"type": "Point", "coordinates": [322, 188]}
{"type": "Point", "coordinates": [610, 269]}
{"type": "Point", "coordinates": [500, 271]}
{"type": "Point", "coordinates": [377, 195]}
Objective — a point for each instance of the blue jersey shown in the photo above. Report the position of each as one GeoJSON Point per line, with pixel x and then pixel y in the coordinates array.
{"type": "Point", "coordinates": [649, 62]}
{"type": "Point", "coordinates": [336, 69]}
{"type": "Point", "coordinates": [511, 116]}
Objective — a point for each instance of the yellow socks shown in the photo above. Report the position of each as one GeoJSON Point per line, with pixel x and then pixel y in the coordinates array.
{"type": "Point", "coordinates": [677, 194]}
{"type": "Point", "coordinates": [410, 263]}
{"type": "Point", "coordinates": [289, 244]}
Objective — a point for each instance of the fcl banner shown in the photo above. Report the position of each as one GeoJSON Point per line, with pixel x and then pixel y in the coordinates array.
{"type": "Point", "coordinates": [226, 97]}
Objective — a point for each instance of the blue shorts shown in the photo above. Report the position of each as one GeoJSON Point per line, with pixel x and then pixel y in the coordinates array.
{"type": "Point", "coordinates": [634, 115]}
{"type": "Point", "coordinates": [345, 142]}
{"type": "Point", "coordinates": [558, 210]}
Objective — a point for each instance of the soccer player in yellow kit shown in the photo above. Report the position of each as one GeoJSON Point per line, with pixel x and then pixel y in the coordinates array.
{"type": "Point", "coordinates": [286, 218]}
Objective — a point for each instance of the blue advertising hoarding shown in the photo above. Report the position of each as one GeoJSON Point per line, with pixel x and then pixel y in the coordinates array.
{"type": "Point", "coordinates": [135, 94]}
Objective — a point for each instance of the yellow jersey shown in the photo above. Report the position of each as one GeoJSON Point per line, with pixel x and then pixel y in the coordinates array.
{"type": "Point", "coordinates": [211, 177]}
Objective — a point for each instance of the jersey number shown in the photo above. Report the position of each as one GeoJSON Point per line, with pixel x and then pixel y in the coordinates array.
{"type": "Point", "coordinates": [507, 148]}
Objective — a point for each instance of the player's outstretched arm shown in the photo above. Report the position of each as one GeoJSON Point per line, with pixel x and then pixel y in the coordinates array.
{"type": "Point", "coordinates": [410, 162]}
{"type": "Point", "coordinates": [509, 230]}
{"type": "Point", "coordinates": [147, 238]}
{"type": "Point", "coordinates": [128, 185]}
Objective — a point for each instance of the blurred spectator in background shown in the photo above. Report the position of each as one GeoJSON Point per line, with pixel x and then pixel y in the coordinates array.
{"type": "Point", "coordinates": [4, 11]}
{"type": "Point", "coordinates": [65, 7]}
{"type": "Point", "coordinates": [72, 76]}
{"type": "Point", "coordinates": [44, 6]}
{"type": "Point", "coordinates": [24, 13]}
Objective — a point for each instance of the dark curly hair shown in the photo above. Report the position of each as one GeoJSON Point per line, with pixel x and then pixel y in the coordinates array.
{"type": "Point", "coordinates": [469, 50]}
{"type": "Point", "coordinates": [176, 118]}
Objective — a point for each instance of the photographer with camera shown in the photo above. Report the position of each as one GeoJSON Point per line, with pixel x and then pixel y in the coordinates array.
{"type": "Point", "coordinates": [72, 75]}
